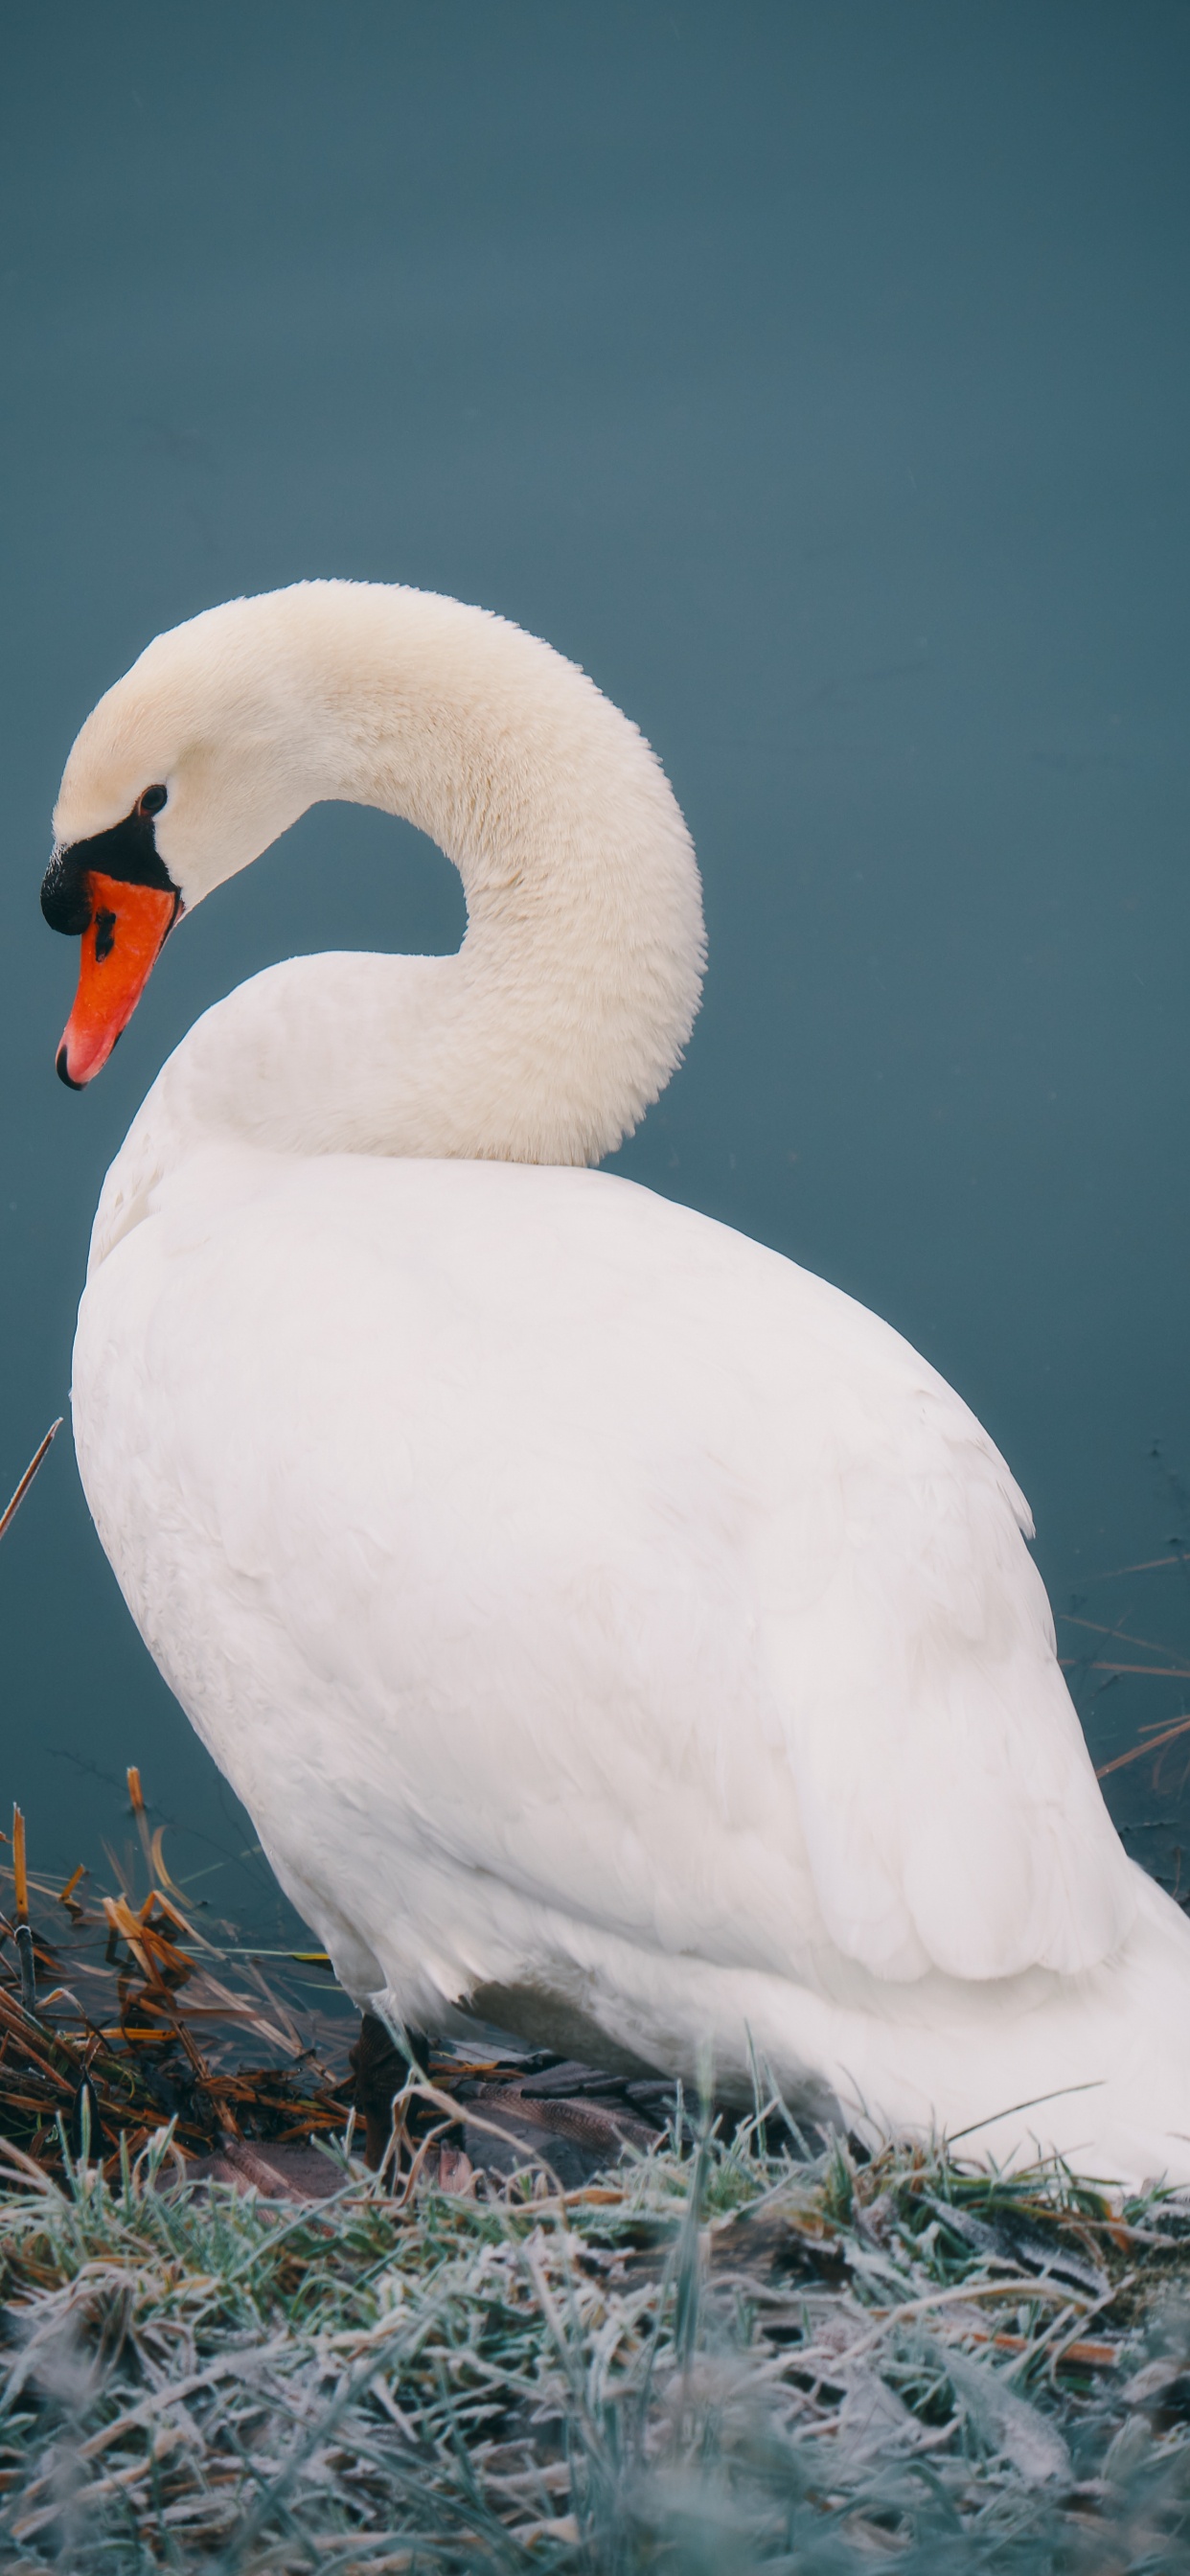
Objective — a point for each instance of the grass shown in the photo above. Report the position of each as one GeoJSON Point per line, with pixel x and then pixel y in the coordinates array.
{"type": "Point", "coordinates": [725, 2356]}
{"type": "Point", "coordinates": [112, 2000]}
{"type": "Point", "coordinates": [730, 2352]}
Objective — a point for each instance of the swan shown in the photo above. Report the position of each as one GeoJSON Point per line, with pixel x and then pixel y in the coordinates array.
{"type": "Point", "coordinates": [610, 1627]}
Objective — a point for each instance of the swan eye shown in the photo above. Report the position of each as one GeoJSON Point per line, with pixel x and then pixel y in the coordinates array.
{"type": "Point", "coordinates": [152, 800]}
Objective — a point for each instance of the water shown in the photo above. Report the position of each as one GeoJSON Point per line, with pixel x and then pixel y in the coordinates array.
{"type": "Point", "coordinates": [818, 377]}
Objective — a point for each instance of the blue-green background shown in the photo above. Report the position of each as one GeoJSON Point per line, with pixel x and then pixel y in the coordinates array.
{"type": "Point", "coordinates": [818, 376]}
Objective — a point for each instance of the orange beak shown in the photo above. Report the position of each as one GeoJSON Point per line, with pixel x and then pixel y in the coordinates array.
{"type": "Point", "coordinates": [128, 929]}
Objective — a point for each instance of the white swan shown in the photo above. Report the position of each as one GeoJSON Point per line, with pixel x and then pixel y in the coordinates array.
{"type": "Point", "coordinates": [601, 1618]}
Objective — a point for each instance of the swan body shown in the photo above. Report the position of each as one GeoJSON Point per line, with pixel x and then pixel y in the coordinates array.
{"type": "Point", "coordinates": [605, 1622]}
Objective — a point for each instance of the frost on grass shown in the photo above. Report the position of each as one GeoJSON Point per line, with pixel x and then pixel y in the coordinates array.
{"type": "Point", "coordinates": [721, 2358]}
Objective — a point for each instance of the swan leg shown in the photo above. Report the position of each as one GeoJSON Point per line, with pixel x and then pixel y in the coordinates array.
{"type": "Point", "coordinates": [380, 2069]}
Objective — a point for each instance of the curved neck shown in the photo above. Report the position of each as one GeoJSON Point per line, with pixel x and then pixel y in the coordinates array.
{"type": "Point", "coordinates": [566, 1008]}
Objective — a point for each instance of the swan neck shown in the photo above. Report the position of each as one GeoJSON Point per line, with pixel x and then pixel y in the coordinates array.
{"type": "Point", "coordinates": [574, 991]}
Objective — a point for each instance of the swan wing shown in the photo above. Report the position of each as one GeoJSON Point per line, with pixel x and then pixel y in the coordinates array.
{"type": "Point", "coordinates": [542, 1538]}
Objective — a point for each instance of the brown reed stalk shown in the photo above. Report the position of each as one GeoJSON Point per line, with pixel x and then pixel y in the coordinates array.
{"type": "Point", "coordinates": [42, 1451]}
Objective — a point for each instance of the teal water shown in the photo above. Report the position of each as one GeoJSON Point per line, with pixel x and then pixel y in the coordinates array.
{"type": "Point", "coordinates": [818, 377]}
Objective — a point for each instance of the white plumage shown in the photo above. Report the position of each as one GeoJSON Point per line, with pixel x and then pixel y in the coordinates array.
{"type": "Point", "coordinates": [599, 1616]}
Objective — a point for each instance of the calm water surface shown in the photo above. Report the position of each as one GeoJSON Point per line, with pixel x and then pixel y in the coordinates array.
{"type": "Point", "coordinates": [818, 377]}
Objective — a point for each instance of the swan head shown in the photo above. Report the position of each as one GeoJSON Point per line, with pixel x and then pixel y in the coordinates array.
{"type": "Point", "coordinates": [184, 773]}
{"type": "Point", "coordinates": [575, 989]}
